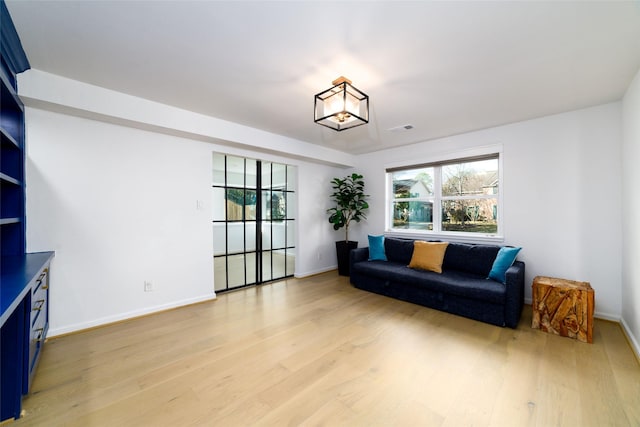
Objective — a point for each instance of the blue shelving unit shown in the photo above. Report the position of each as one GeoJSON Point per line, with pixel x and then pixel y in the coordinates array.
{"type": "Point", "coordinates": [12, 195]}
{"type": "Point", "coordinates": [24, 278]}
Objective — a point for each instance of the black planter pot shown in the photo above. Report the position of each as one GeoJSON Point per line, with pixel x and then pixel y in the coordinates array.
{"type": "Point", "coordinates": [343, 249]}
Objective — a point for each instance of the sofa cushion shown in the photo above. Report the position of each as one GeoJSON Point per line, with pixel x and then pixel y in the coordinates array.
{"type": "Point", "coordinates": [398, 250]}
{"type": "Point", "coordinates": [449, 282]}
{"type": "Point", "coordinates": [471, 286]}
{"type": "Point", "coordinates": [428, 255]}
{"type": "Point", "coordinates": [470, 258]}
{"type": "Point", "coordinates": [392, 271]}
{"type": "Point", "coordinates": [505, 258]}
{"type": "Point", "coordinates": [376, 248]}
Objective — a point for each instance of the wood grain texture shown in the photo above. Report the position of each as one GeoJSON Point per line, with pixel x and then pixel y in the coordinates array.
{"type": "Point", "coordinates": [316, 351]}
{"type": "Point", "coordinates": [563, 307]}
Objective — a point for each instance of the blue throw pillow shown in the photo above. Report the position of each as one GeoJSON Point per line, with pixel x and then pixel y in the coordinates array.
{"type": "Point", "coordinates": [376, 248]}
{"type": "Point", "coordinates": [505, 258]}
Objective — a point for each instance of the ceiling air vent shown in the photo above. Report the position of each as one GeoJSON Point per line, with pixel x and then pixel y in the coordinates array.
{"type": "Point", "coordinates": [400, 128]}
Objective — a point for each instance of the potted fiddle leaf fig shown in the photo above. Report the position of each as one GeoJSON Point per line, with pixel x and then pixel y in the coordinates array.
{"type": "Point", "coordinates": [351, 204]}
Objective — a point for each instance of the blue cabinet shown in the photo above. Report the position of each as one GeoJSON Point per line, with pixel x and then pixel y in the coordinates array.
{"type": "Point", "coordinates": [24, 278]}
{"type": "Point", "coordinates": [24, 321]}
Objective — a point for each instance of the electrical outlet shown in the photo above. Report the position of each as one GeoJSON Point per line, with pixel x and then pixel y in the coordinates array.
{"type": "Point", "coordinates": [148, 286]}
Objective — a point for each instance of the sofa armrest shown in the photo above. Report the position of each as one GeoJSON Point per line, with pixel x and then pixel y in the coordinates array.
{"type": "Point", "coordinates": [515, 294]}
{"type": "Point", "coordinates": [358, 255]}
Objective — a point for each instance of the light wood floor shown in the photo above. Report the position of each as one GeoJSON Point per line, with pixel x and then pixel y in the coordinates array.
{"type": "Point", "coordinates": [316, 351]}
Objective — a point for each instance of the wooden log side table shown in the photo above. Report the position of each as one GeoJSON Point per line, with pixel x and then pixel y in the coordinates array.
{"type": "Point", "coordinates": [563, 307]}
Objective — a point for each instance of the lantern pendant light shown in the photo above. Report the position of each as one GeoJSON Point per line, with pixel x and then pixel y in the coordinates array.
{"type": "Point", "coordinates": [341, 106]}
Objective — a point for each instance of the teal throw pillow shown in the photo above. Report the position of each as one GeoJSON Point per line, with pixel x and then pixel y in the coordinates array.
{"type": "Point", "coordinates": [376, 248]}
{"type": "Point", "coordinates": [505, 258]}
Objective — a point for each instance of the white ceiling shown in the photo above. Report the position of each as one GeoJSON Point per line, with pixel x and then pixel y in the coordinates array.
{"type": "Point", "coordinates": [444, 67]}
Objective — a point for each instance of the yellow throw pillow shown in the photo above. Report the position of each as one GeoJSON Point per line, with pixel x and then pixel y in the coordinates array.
{"type": "Point", "coordinates": [428, 255]}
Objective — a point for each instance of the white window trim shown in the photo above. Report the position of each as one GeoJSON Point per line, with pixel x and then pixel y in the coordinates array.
{"type": "Point", "coordinates": [451, 236]}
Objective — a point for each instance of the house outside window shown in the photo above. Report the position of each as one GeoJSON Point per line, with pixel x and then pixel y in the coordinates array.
{"type": "Point", "coordinates": [453, 197]}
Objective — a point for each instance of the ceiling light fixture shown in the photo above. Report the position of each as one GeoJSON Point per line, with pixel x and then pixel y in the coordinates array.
{"type": "Point", "coordinates": [342, 106]}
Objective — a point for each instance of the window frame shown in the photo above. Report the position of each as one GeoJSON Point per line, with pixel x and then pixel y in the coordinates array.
{"type": "Point", "coordinates": [438, 162]}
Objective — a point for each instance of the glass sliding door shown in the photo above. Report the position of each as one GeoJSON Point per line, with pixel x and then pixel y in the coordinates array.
{"type": "Point", "coordinates": [234, 221]}
{"type": "Point", "coordinates": [253, 221]}
{"type": "Point", "coordinates": [278, 220]}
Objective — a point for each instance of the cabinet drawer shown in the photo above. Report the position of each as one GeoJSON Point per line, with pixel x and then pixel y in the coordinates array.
{"type": "Point", "coordinates": [40, 298]}
{"type": "Point", "coordinates": [42, 281]}
{"type": "Point", "coordinates": [39, 321]}
{"type": "Point", "coordinates": [36, 340]}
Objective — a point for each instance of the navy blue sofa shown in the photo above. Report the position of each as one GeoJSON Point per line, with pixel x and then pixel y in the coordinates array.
{"type": "Point", "coordinates": [462, 288]}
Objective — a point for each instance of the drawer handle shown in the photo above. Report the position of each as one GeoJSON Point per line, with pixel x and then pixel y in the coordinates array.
{"type": "Point", "coordinates": [39, 331]}
{"type": "Point", "coordinates": [38, 305]}
{"type": "Point", "coordinates": [39, 280]}
{"type": "Point", "coordinates": [45, 287]}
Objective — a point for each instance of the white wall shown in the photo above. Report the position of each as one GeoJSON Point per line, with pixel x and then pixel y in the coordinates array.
{"type": "Point", "coordinates": [119, 207]}
{"type": "Point", "coordinates": [631, 213]}
{"type": "Point", "coordinates": [561, 194]}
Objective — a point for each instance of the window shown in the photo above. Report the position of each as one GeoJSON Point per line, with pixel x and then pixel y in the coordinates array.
{"type": "Point", "coordinates": [450, 197]}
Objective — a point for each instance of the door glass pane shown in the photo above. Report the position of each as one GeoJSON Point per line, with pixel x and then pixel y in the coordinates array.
{"type": "Point", "coordinates": [291, 261]}
{"type": "Point", "coordinates": [235, 171]}
{"type": "Point", "coordinates": [278, 238]}
{"type": "Point", "coordinates": [266, 175]}
{"type": "Point", "coordinates": [235, 237]}
{"type": "Point", "coordinates": [251, 173]}
{"type": "Point", "coordinates": [278, 205]}
{"type": "Point", "coordinates": [250, 205]}
{"type": "Point", "coordinates": [291, 233]}
{"type": "Point", "coordinates": [251, 268]}
{"type": "Point", "coordinates": [219, 273]}
{"type": "Point", "coordinates": [218, 169]}
{"type": "Point", "coordinates": [235, 204]}
{"type": "Point", "coordinates": [266, 236]}
{"type": "Point", "coordinates": [250, 236]}
{"type": "Point", "coordinates": [279, 176]}
{"type": "Point", "coordinates": [291, 178]}
{"type": "Point", "coordinates": [218, 204]}
{"type": "Point", "coordinates": [278, 263]}
{"type": "Point", "coordinates": [219, 238]}
{"type": "Point", "coordinates": [291, 205]}
{"type": "Point", "coordinates": [236, 270]}
{"type": "Point", "coordinates": [266, 266]}
{"type": "Point", "coordinates": [266, 205]}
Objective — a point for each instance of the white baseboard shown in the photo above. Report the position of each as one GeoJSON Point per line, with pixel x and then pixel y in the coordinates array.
{"type": "Point", "coordinates": [53, 332]}
{"type": "Point", "coordinates": [635, 346]}
{"type": "Point", "coordinates": [607, 316]}
{"type": "Point", "coordinates": [314, 272]}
